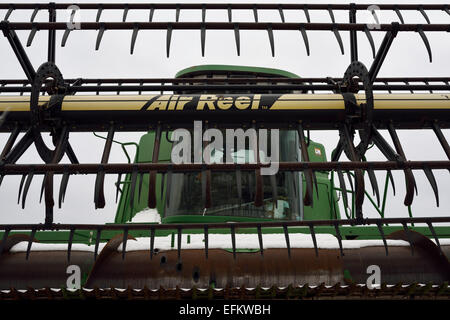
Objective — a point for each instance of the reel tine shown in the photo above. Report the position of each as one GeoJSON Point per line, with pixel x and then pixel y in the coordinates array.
{"type": "Point", "coordinates": [152, 12]}
{"type": "Point", "coordinates": [339, 237]}
{"type": "Point", "coordinates": [163, 175]}
{"type": "Point", "coordinates": [343, 188]}
{"type": "Point", "coordinates": [1, 179]}
{"type": "Point", "coordinates": [273, 184]}
{"type": "Point", "coordinates": [441, 138]}
{"type": "Point", "coordinates": [133, 38]}
{"type": "Point", "coordinates": [386, 83]}
{"type": "Point", "coordinates": [133, 187]}
{"type": "Point", "coordinates": [350, 181]}
{"type": "Point", "coordinates": [374, 183]}
{"type": "Point", "coordinates": [152, 241]}
{"type": "Point", "coordinates": [63, 188]}
{"type": "Point", "coordinates": [427, 84]}
{"type": "Point", "coordinates": [141, 180]}
{"type": "Point", "coordinates": [153, 174]}
{"type": "Point", "coordinates": [408, 235]}
{"type": "Point", "coordinates": [99, 13]}
{"type": "Point", "coordinates": [30, 243]}
{"type": "Point", "coordinates": [33, 15]}
{"type": "Point", "coordinates": [255, 13]}
{"type": "Point", "coordinates": [168, 38]}
{"type": "Point", "coordinates": [391, 178]}
{"type": "Point", "coordinates": [380, 230]}
{"type": "Point", "coordinates": [69, 244]}
{"type": "Point", "coordinates": [203, 39]}
{"type": "Point", "coordinates": [239, 183]}
{"type": "Point", "coordinates": [369, 37]}
{"type": "Point", "coordinates": [119, 176]}
{"type": "Point", "coordinates": [305, 38]}
{"type": "Point", "coordinates": [22, 181]}
{"type": "Point", "coordinates": [430, 176]}
{"type": "Point", "coordinates": [31, 35]}
{"type": "Point", "coordinates": [309, 194]}
{"type": "Point", "coordinates": [272, 44]}
{"type": "Point", "coordinates": [424, 14]}
{"type": "Point", "coordinates": [230, 14]}
{"type": "Point", "coordinates": [330, 11]}
{"type": "Point", "coordinates": [99, 36]}
{"type": "Point", "coordinates": [97, 242]}
{"type": "Point", "coordinates": [203, 13]}
{"type": "Point", "coordinates": [280, 10]}
{"type": "Point", "coordinates": [447, 10]}
{"type": "Point", "coordinates": [433, 232]}
{"type": "Point", "coordinates": [233, 240]}
{"type": "Point", "coordinates": [177, 13]}
{"type": "Point", "coordinates": [312, 90]}
{"type": "Point", "coordinates": [206, 241]}
{"type": "Point", "coordinates": [260, 240]}
{"type": "Point", "coordinates": [42, 187]}
{"type": "Point", "coordinates": [407, 83]}
{"type": "Point", "coordinates": [399, 14]}
{"type": "Point", "coordinates": [237, 38]}
{"type": "Point", "coordinates": [98, 92]}
{"type": "Point", "coordinates": [169, 183]}
{"type": "Point", "coordinates": [140, 84]}
{"type": "Point", "coordinates": [5, 237]}
{"type": "Point", "coordinates": [99, 195]}
{"type": "Point", "coordinates": [179, 234]}
{"type": "Point", "coordinates": [305, 9]}
{"type": "Point", "coordinates": [10, 10]}
{"type": "Point", "coordinates": [288, 242]}
{"type": "Point", "coordinates": [125, 12]}
{"type": "Point", "coordinates": [259, 192]}
{"type": "Point", "coordinates": [313, 236]}
{"type": "Point", "coordinates": [26, 188]}
{"type": "Point", "coordinates": [425, 41]}
{"type": "Point", "coordinates": [338, 38]}
{"type": "Point", "coordinates": [124, 242]}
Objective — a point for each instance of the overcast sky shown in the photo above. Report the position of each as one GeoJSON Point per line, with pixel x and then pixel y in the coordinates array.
{"type": "Point", "coordinates": [407, 57]}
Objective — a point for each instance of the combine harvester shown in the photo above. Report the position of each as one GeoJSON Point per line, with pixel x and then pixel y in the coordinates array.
{"type": "Point", "coordinates": [226, 230]}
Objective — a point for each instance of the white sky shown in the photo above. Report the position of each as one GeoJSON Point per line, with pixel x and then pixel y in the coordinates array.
{"type": "Point", "coordinates": [407, 57]}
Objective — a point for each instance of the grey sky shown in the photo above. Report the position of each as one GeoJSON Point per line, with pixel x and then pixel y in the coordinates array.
{"type": "Point", "coordinates": [408, 57]}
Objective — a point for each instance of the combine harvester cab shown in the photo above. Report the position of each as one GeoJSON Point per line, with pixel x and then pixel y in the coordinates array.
{"type": "Point", "coordinates": [202, 218]}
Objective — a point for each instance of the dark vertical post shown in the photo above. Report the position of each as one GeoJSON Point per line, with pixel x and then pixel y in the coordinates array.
{"type": "Point", "coordinates": [353, 35]}
{"type": "Point", "coordinates": [51, 33]}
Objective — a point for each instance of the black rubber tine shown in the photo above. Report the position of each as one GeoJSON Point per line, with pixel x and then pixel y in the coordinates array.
{"type": "Point", "coordinates": [203, 13]}
{"type": "Point", "coordinates": [30, 242]}
{"type": "Point", "coordinates": [380, 230]}
{"type": "Point", "coordinates": [339, 237]}
{"type": "Point", "coordinates": [152, 12]}
{"type": "Point", "coordinates": [260, 240]}
{"type": "Point", "coordinates": [305, 9]}
{"type": "Point", "coordinates": [425, 41]}
{"type": "Point", "coordinates": [273, 185]}
{"type": "Point", "coordinates": [206, 241]}
{"type": "Point", "coordinates": [313, 236]}
{"type": "Point", "coordinates": [430, 176]}
{"type": "Point", "coordinates": [280, 10]}
{"type": "Point", "coordinates": [124, 242]}
{"type": "Point", "coordinates": [433, 232]}
{"type": "Point", "coordinates": [239, 184]}
{"type": "Point", "coordinates": [179, 234]}
{"type": "Point", "coordinates": [374, 183]}
{"type": "Point", "coordinates": [133, 187]}
{"type": "Point", "coordinates": [330, 11]}
{"type": "Point", "coordinates": [141, 180]}
{"type": "Point", "coordinates": [65, 36]}
{"type": "Point", "coordinates": [399, 14]}
{"type": "Point", "coordinates": [22, 181]}
{"type": "Point", "coordinates": [33, 15]}
{"type": "Point", "coordinates": [5, 237]}
{"type": "Point", "coordinates": [233, 240]}
{"type": "Point", "coordinates": [152, 241]}
{"type": "Point", "coordinates": [230, 14]}
{"type": "Point", "coordinates": [203, 39]}
{"type": "Point", "coordinates": [447, 10]}
{"type": "Point", "coordinates": [119, 176]}
{"type": "Point", "coordinates": [63, 188]}
{"type": "Point", "coordinates": [168, 38]}
{"type": "Point", "coordinates": [26, 188]}
{"type": "Point", "coordinates": [97, 243]}
{"type": "Point", "coordinates": [69, 244]}
{"type": "Point", "coordinates": [31, 36]}
{"type": "Point", "coordinates": [305, 38]}
{"type": "Point", "coordinates": [237, 39]}
{"type": "Point", "coordinates": [338, 38]}
{"type": "Point", "coordinates": [99, 36]}
{"type": "Point", "coordinates": [369, 37]}
{"type": "Point", "coordinates": [424, 14]}
{"type": "Point", "coordinates": [125, 13]}
{"type": "Point", "coordinates": [408, 235]}
{"type": "Point", "coordinates": [177, 13]}
{"type": "Point", "coordinates": [288, 242]}
{"type": "Point", "coordinates": [343, 188]}
{"type": "Point", "coordinates": [133, 38]}
{"type": "Point", "coordinates": [99, 13]}
{"type": "Point", "coordinates": [272, 44]}
{"type": "Point", "coordinates": [44, 178]}
{"type": "Point", "coordinates": [255, 13]}
{"type": "Point", "coordinates": [10, 10]}
{"type": "Point", "coordinates": [391, 178]}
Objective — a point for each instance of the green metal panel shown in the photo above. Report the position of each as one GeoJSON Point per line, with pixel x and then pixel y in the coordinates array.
{"type": "Point", "coordinates": [219, 68]}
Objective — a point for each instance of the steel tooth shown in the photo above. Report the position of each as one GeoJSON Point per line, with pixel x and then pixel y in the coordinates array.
{"type": "Point", "coordinates": [152, 241]}
{"type": "Point", "coordinates": [233, 240]}
{"type": "Point", "coordinates": [119, 176]}
{"type": "Point", "coordinates": [141, 180]}
{"type": "Point", "coordinates": [369, 37]}
{"type": "Point", "coordinates": [206, 241]}
{"type": "Point", "coordinates": [97, 242]}
{"type": "Point", "coordinates": [330, 11]}
{"type": "Point", "coordinates": [399, 14]}
{"type": "Point", "coordinates": [99, 13]}
{"type": "Point", "coordinates": [425, 41]}
{"type": "Point", "coordinates": [133, 38]}
{"type": "Point", "coordinates": [430, 176]}
{"type": "Point", "coordinates": [203, 39]}
{"type": "Point", "coordinates": [424, 14]}
{"type": "Point", "coordinates": [5, 237]}
{"type": "Point", "coordinates": [124, 243]}
{"type": "Point", "coordinates": [288, 242]}
{"type": "Point", "coordinates": [260, 240]}
{"type": "Point", "coordinates": [237, 39]}
{"type": "Point", "coordinates": [433, 232]}
{"type": "Point", "coordinates": [125, 13]}
{"type": "Point", "coordinates": [374, 183]}
{"type": "Point", "coordinates": [69, 243]}
{"type": "Point", "coordinates": [31, 35]}
{"type": "Point", "coordinates": [10, 10]}
{"type": "Point", "coordinates": [272, 43]}
{"type": "Point", "coordinates": [203, 13]}
{"type": "Point", "coordinates": [133, 187]}
{"type": "Point", "coordinates": [152, 12]}
{"type": "Point", "coordinates": [380, 230]}
{"type": "Point", "coordinates": [339, 238]}
{"type": "Point", "coordinates": [65, 36]}
{"type": "Point", "coordinates": [168, 38]}
{"type": "Point", "coordinates": [33, 15]}
{"type": "Point", "coordinates": [177, 13]}
{"type": "Point", "coordinates": [280, 10]}
{"type": "Point", "coordinates": [239, 184]}
{"type": "Point", "coordinates": [30, 243]}
{"type": "Point", "coordinates": [26, 188]}
{"type": "Point", "coordinates": [273, 185]}
{"type": "Point", "coordinates": [343, 188]}
{"type": "Point", "coordinates": [338, 38]}
{"type": "Point", "coordinates": [230, 14]}
{"type": "Point", "coordinates": [391, 178]}
{"type": "Point", "coordinates": [305, 9]}
{"type": "Point", "coordinates": [63, 188]}
{"type": "Point", "coordinates": [255, 13]}
{"type": "Point", "coordinates": [313, 236]}
{"type": "Point", "coordinates": [305, 38]}
{"type": "Point", "coordinates": [408, 235]}
{"type": "Point", "coordinates": [99, 36]}
{"type": "Point", "coordinates": [22, 181]}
